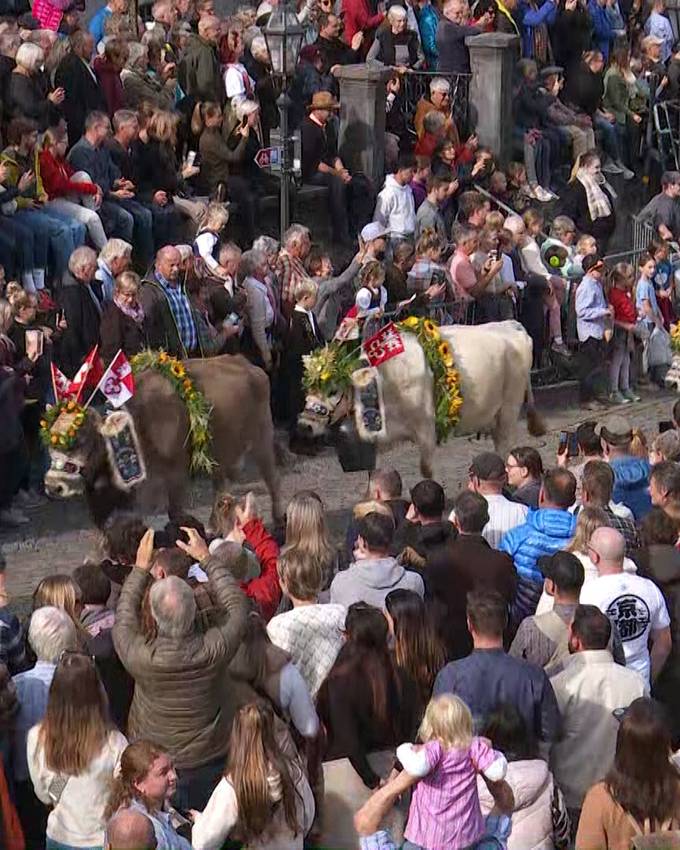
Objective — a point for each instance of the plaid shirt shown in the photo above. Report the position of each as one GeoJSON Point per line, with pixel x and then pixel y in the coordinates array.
{"type": "Point", "coordinates": [181, 310]}
{"type": "Point", "coordinates": [12, 647]}
{"type": "Point", "coordinates": [289, 271]}
{"type": "Point", "coordinates": [627, 528]}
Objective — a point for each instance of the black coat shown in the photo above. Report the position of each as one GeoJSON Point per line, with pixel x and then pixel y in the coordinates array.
{"type": "Point", "coordinates": [583, 89]}
{"type": "Point", "coordinates": [302, 339]}
{"type": "Point", "coordinates": [468, 564]}
{"type": "Point", "coordinates": [84, 94]}
{"type": "Point", "coordinates": [575, 206]}
{"type": "Point", "coordinates": [119, 331]}
{"type": "Point", "coordinates": [82, 334]}
{"type": "Point", "coordinates": [427, 540]}
{"type": "Point", "coordinates": [157, 170]}
{"type": "Point", "coordinates": [570, 36]}
{"type": "Point", "coordinates": [27, 98]}
{"type": "Point", "coordinates": [388, 41]}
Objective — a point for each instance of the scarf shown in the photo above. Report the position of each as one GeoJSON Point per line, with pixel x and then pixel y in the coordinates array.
{"type": "Point", "coordinates": [598, 202]}
{"type": "Point", "coordinates": [136, 313]}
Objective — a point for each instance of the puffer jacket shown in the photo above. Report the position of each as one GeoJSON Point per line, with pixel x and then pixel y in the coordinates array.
{"type": "Point", "coordinates": [631, 484]}
{"type": "Point", "coordinates": [532, 821]}
{"type": "Point", "coordinates": [183, 700]}
{"type": "Point", "coordinates": [545, 531]}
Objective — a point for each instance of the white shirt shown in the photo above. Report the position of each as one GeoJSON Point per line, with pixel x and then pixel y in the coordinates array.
{"type": "Point", "coordinates": [636, 606]}
{"type": "Point", "coordinates": [546, 602]}
{"type": "Point", "coordinates": [77, 819]}
{"type": "Point", "coordinates": [205, 242]}
{"type": "Point", "coordinates": [310, 316]}
{"type": "Point", "coordinates": [235, 82]}
{"type": "Point", "coordinates": [503, 515]}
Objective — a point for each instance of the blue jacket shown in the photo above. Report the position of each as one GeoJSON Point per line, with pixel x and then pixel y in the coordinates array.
{"type": "Point", "coordinates": [631, 484]}
{"type": "Point", "coordinates": [530, 18]}
{"type": "Point", "coordinates": [428, 20]}
{"type": "Point", "coordinates": [545, 531]}
{"type": "Point", "coordinates": [602, 27]}
{"type": "Point", "coordinates": [97, 21]}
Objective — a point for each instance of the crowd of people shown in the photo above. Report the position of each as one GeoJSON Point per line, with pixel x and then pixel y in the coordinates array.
{"type": "Point", "coordinates": [505, 676]}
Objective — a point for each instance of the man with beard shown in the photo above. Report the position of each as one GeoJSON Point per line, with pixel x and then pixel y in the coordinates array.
{"type": "Point", "coordinates": [589, 689]}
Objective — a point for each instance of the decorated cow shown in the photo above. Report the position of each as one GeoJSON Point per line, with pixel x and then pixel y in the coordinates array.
{"type": "Point", "coordinates": [184, 416]}
{"type": "Point", "coordinates": [425, 382]}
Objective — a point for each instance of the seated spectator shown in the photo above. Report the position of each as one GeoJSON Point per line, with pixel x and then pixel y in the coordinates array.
{"type": "Point", "coordinates": [424, 529]}
{"type": "Point", "coordinates": [69, 192]}
{"type": "Point", "coordinates": [396, 45]}
{"type": "Point", "coordinates": [141, 87]}
{"type": "Point", "coordinates": [524, 468]}
{"type": "Point", "coordinates": [542, 639]}
{"type": "Point", "coordinates": [310, 633]}
{"type": "Point", "coordinates": [50, 632]}
{"type": "Point", "coordinates": [468, 564]}
{"type": "Point", "coordinates": [488, 676]}
{"type": "Point", "coordinates": [145, 783]}
{"type": "Point", "coordinates": [27, 96]}
{"type": "Point", "coordinates": [363, 724]}
{"type": "Point", "coordinates": [619, 91]}
{"type": "Point", "coordinates": [634, 604]}
{"type": "Point", "coordinates": [76, 738]}
{"type": "Point", "coordinates": [641, 787]}
{"type": "Point", "coordinates": [262, 775]}
{"type": "Point", "coordinates": [631, 474]}
{"type": "Point", "coordinates": [173, 610]}
{"type": "Point", "coordinates": [374, 572]}
{"type": "Point", "coordinates": [589, 689]}
{"type": "Point", "coordinates": [539, 815]}
{"type": "Point", "coordinates": [122, 321]}
{"type": "Point", "coordinates": [487, 476]}
{"type": "Point", "coordinates": [546, 530]}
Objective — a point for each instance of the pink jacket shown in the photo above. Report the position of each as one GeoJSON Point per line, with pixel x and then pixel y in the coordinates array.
{"type": "Point", "coordinates": [532, 786]}
{"type": "Point", "coordinates": [49, 13]}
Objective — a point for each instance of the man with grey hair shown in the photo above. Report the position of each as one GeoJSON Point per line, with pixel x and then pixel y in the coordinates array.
{"type": "Point", "coordinates": [50, 632]}
{"type": "Point", "coordinates": [182, 699]}
{"type": "Point", "coordinates": [290, 266]}
{"type": "Point", "coordinates": [114, 258]}
{"type": "Point", "coordinates": [199, 70]}
{"type": "Point", "coordinates": [130, 829]}
{"type": "Point", "coordinates": [439, 101]}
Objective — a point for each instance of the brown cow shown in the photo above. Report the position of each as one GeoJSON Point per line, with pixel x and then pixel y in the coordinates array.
{"type": "Point", "coordinates": [240, 422]}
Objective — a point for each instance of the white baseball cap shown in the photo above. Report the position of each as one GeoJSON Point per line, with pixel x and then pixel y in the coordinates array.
{"type": "Point", "coordinates": [373, 230]}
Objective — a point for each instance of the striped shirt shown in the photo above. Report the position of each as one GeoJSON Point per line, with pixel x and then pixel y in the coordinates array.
{"type": "Point", "coordinates": [445, 813]}
{"type": "Point", "coordinates": [503, 515]}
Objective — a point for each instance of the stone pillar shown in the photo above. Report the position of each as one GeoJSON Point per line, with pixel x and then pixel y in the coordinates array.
{"type": "Point", "coordinates": [362, 118]}
{"type": "Point", "coordinates": [492, 59]}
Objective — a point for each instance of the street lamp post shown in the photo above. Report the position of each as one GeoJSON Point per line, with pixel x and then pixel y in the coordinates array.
{"type": "Point", "coordinates": [283, 35]}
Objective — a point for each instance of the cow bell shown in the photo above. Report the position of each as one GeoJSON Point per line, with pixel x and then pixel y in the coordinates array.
{"type": "Point", "coordinates": [354, 454]}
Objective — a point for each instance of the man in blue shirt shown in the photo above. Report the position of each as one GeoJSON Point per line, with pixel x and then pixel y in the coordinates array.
{"type": "Point", "coordinates": [489, 677]}
{"type": "Point", "coordinates": [97, 21]}
{"type": "Point", "coordinates": [631, 473]}
{"type": "Point", "coordinates": [592, 314]}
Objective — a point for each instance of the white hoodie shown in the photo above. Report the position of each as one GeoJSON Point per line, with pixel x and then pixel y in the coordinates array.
{"type": "Point", "coordinates": [396, 209]}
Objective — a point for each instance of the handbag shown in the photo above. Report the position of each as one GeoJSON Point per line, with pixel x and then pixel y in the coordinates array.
{"type": "Point", "coordinates": [663, 838]}
{"type": "Point", "coordinates": [56, 788]}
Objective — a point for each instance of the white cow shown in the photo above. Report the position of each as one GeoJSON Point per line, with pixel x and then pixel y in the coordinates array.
{"type": "Point", "coordinates": [494, 364]}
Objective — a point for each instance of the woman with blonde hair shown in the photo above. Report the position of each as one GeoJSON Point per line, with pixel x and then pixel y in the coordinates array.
{"type": "Point", "coordinates": [307, 532]}
{"type": "Point", "coordinates": [27, 94]}
{"type": "Point", "coordinates": [264, 797]}
{"type": "Point", "coordinates": [146, 782]}
{"type": "Point", "coordinates": [72, 755]}
{"type": "Point", "coordinates": [61, 591]}
{"type": "Point", "coordinates": [208, 237]}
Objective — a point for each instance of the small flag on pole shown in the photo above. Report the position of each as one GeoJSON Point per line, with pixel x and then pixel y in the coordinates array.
{"type": "Point", "coordinates": [118, 382]}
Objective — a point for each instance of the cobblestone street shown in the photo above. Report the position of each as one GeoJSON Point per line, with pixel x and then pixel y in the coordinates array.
{"type": "Point", "coordinates": [61, 535]}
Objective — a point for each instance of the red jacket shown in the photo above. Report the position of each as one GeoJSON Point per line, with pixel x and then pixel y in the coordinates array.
{"type": "Point", "coordinates": [56, 176]}
{"type": "Point", "coordinates": [265, 590]}
{"type": "Point", "coordinates": [358, 18]}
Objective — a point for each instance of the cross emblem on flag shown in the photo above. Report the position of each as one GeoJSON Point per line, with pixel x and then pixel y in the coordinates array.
{"type": "Point", "coordinates": [384, 345]}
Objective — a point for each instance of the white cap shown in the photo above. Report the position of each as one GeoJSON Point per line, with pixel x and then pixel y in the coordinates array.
{"type": "Point", "coordinates": [373, 230]}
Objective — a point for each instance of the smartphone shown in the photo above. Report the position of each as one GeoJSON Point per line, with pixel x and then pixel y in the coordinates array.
{"type": "Point", "coordinates": [191, 157]}
{"type": "Point", "coordinates": [563, 443]}
{"type": "Point", "coordinates": [233, 318]}
{"type": "Point", "coordinates": [572, 447]}
{"type": "Point", "coordinates": [665, 425]}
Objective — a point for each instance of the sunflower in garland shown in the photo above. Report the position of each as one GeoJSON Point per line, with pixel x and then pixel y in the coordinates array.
{"type": "Point", "coordinates": [177, 369]}
{"type": "Point", "coordinates": [430, 329]}
{"type": "Point", "coordinates": [444, 350]}
{"type": "Point", "coordinates": [675, 338]}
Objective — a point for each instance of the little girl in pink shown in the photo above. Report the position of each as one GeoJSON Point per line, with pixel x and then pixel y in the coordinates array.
{"type": "Point", "coordinates": [445, 813]}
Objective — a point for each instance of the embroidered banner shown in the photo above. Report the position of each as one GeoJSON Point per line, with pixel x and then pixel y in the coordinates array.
{"type": "Point", "coordinates": [384, 345]}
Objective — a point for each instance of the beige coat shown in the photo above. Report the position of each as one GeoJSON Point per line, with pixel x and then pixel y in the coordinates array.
{"type": "Point", "coordinates": [588, 690]}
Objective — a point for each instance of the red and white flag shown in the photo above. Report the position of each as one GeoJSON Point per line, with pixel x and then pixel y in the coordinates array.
{"type": "Point", "coordinates": [384, 345]}
{"type": "Point", "coordinates": [89, 374]}
{"type": "Point", "coordinates": [61, 384]}
{"type": "Point", "coordinates": [118, 382]}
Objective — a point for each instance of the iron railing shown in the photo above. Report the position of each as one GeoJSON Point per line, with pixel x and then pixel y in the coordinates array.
{"type": "Point", "coordinates": [416, 85]}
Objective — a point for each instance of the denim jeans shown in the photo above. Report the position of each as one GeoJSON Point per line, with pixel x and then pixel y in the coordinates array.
{"type": "Point", "coordinates": [196, 784]}
{"type": "Point", "coordinates": [61, 235]}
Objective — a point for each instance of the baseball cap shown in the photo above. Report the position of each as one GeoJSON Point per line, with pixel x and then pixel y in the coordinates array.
{"type": "Point", "coordinates": [488, 466]}
{"type": "Point", "coordinates": [592, 261]}
{"type": "Point", "coordinates": [373, 230]}
{"type": "Point", "coordinates": [615, 430]}
{"type": "Point", "coordinates": [564, 568]}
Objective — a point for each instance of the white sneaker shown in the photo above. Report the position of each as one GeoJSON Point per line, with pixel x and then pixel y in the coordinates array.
{"type": "Point", "coordinates": [627, 173]}
{"type": "Point", "coordinates": [541, 194]}
{"type": "Point", "coordinates": [13, 517]}
{"type": "Point", "coordinates": [612, 167]}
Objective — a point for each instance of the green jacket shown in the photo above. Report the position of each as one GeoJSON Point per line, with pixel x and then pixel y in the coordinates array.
{"type": "Point", "coordinates": [9, 158]}
{"type": "Point", "coordinates": [617, 95]}
{"type": "Point", "coordinates": [183, 701]}
{"type": "Point", "coordinates": [199, 72]}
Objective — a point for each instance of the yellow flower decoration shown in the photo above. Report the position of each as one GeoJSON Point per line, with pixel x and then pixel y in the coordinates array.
{"type": "Point", "coordinates": [54, 439]}
{"type": "Point", "coordinates": [163, 357]}
{"type": "Point", "coordinates": [411, 322]}
{"type": "Point", "coordinates": [430, 329]}
{"type": "Point", "coordinates": [177, 370]}
{"type": "Point", "coordinates": [187, 384]}
{"type": "Point", "coordinates": [326, 375]}
{"type": "Point", "coordinates": [71, 406]}
{"type": "Point", "coordinates": [445, 354]}
{"type": "Point", "coordinates": [43, 423]}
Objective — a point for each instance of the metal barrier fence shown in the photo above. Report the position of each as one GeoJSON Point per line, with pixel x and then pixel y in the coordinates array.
{"type": "Point", "coordinates": [416, 85]}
